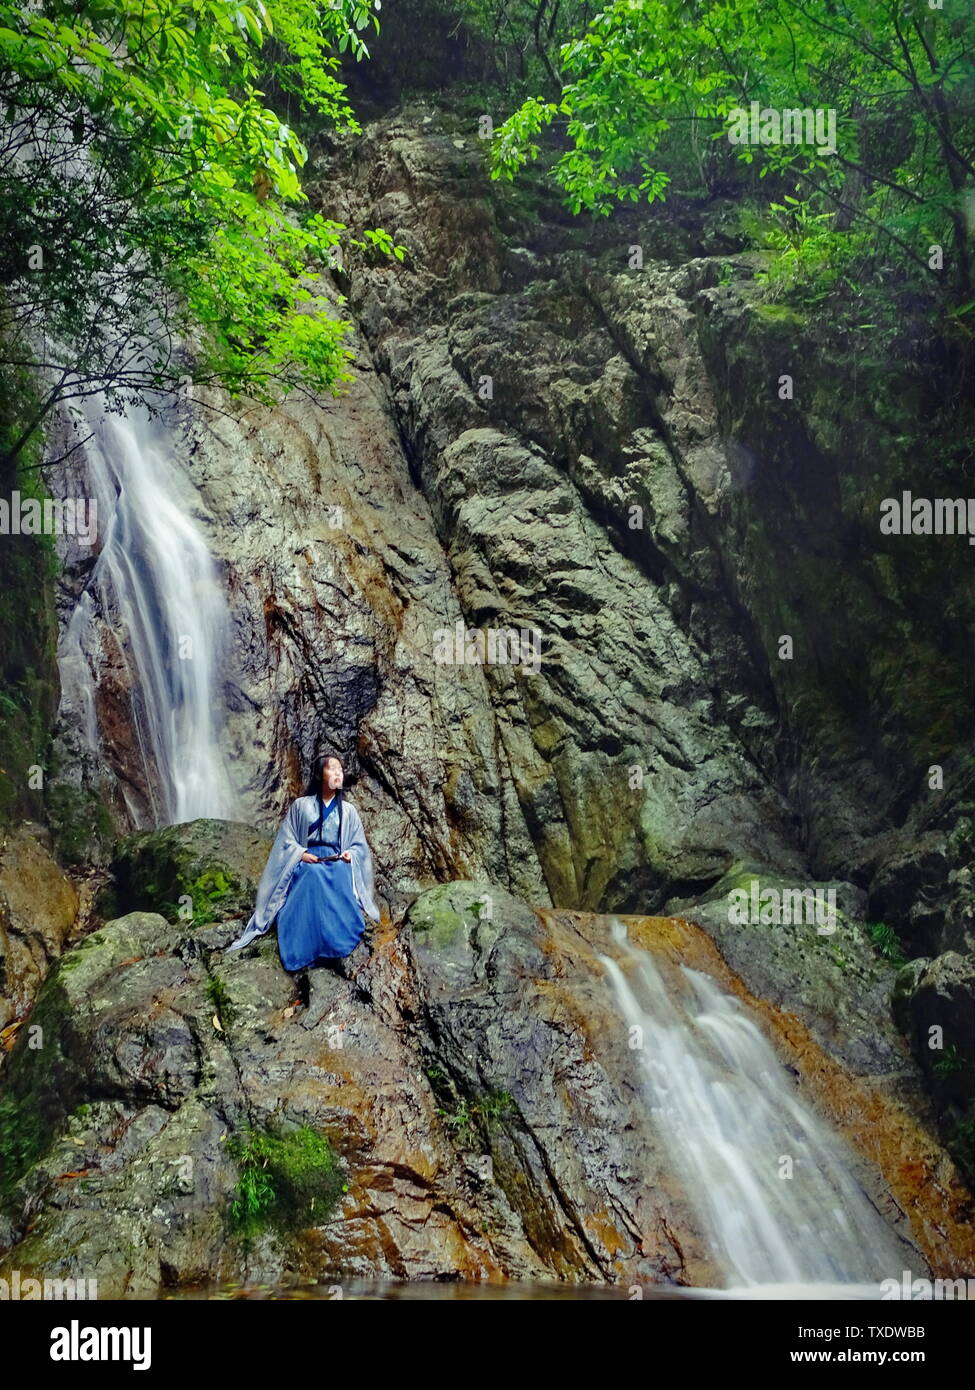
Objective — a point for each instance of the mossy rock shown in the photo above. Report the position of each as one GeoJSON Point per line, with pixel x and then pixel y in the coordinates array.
{"type": "Point", "coordinates": [81, 823]}
{"type": "Point", "coordinates": [57, 1064]}
{"type": "Point", "coordinates": [201, 871]}
{"type": "Point", "coordinates": [43, 1083]}
{"type": "Point", "coordinates": [461, 930]}
{"type": "Point", "coordinates": [445, 915]}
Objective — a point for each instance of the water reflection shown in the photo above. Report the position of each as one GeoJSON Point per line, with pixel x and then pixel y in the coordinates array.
{"type": "Point", "coordinates": [386, 1290]}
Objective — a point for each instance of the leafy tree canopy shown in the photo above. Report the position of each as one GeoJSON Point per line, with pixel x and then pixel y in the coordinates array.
{"type": "Point", "coordinates": [642, 89]}
{"type": "Point", "coordinates": [150, 198]}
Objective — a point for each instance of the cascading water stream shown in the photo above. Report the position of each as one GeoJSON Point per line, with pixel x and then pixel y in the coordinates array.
{"type": "Point", "coordinates": [156, 586]}
{"type": "Point", "coordinates": [769, 1182]}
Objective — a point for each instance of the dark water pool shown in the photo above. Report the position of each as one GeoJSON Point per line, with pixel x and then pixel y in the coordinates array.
{"type": "Point", "coordinates": [387, 1290]}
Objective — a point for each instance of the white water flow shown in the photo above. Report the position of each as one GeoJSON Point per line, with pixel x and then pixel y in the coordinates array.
{"type": "Point", "coordinates": [727, 1112]}
{"type": "Point", "coordinates": [157, 588]}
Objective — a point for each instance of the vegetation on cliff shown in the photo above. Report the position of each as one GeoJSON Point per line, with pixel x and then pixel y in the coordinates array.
{"type": "Point", "coordinates": [153, 225]}
{"type": "Point", "coordinates": [28, 625]}
{"type": "Point", "coordinates": [645, 95]}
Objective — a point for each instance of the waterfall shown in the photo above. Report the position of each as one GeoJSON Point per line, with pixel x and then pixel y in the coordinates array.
{"type": "Point", "coordinates": [770, 1184]}
{"type": "Point", "coordinates": [156, 588]}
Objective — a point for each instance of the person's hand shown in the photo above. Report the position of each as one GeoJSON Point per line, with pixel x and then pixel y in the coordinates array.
{"type": "Point", "coordinates": [346, 856]}
{"type": "Point", "coordinates": [307, 858]}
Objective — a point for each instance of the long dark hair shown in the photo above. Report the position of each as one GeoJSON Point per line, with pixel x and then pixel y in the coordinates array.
{"type": "Point", "coordinates": [315, 789]}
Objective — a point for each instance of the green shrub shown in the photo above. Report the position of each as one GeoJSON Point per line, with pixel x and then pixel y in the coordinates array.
{"type": "Point", "coordinates": [475, 1118]}
{"type": "Point", "coordinates": [886, 941]}
{"type": "Point", "coordinates": [288, 1180]}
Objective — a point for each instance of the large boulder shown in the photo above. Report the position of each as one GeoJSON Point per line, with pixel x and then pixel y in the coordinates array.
{"type": "Point", "coordinates": [936, 1008]}
{"type": "Point", "coordinates": [200, 870]}
{"type": "Point", "coordinates": [164, 1074]}
{"type": "Point", "coordinates": [38, 908]}
{"type": "Point", "coordinates": [829, 972]}
{"type": "Point", "coordinates": [461, 1102]}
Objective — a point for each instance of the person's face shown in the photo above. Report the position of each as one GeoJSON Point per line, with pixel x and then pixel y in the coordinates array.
{"type": "Point", "coordinates": [332, 776]}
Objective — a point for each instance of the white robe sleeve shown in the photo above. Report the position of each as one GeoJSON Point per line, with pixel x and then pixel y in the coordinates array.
{"type": "Point", "coordinates": [286, 852]}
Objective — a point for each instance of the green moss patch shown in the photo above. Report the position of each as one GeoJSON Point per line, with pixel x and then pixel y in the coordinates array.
{"type": "Point", "coordinates": [471, 1122]}
{"type": "Point", "coordinates": [41, 1087]}
{"type": "Point", "coordinates": [443, 914]}
{"type": "Point", "coordinates": [177, 872]}
{"type": "Point", "coordinates": [288, 1180]}
{"type": "Point", "coordinates": [80, 822]}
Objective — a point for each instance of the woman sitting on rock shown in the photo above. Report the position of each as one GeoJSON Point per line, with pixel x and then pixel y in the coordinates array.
{"type": "Point", "coordinates": [319, 878]}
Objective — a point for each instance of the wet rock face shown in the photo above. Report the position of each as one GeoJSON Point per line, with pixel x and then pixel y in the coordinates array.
{"type": "Point", "coordinates": [577, 456]}
{"type": "Point", "coordinates": [556, 464]}
{"type": "Point", "coordinates": [38, 908]}
{"type": "Point", "coordinates": [602, 750]}
{"type": "Point", "coordinates": [935, 1007]}
{"type": "Point", "coordinates": [471, 1074]}
{"type": "Point", "coordinates": [607, 463]}
{"type": "Point", "coordinates": [528, 1049]}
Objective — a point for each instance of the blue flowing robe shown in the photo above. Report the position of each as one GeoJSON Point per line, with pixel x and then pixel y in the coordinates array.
{"type": "Point", "coordinates": [289, 845]}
